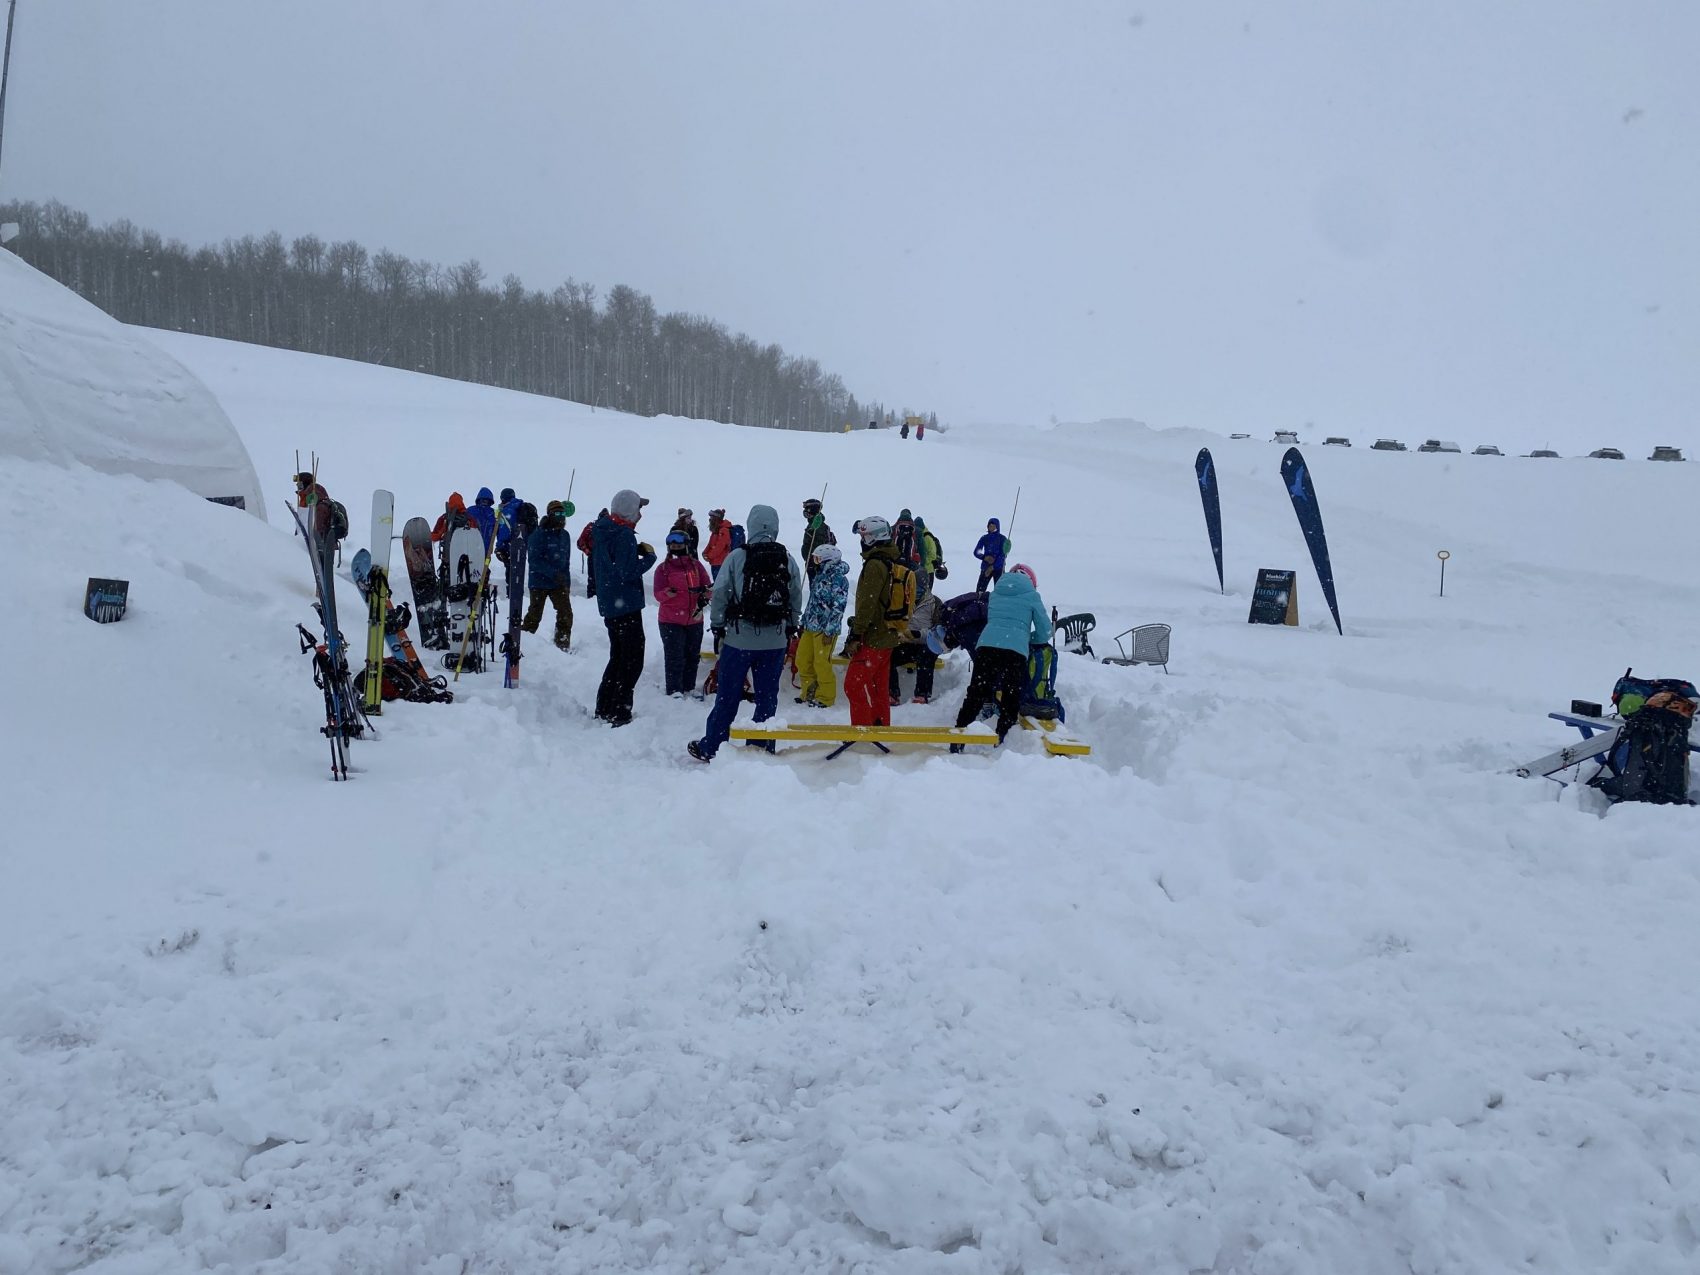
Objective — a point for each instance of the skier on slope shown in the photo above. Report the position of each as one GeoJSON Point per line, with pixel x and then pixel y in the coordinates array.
{"type": "Point", "coordinates": [829, 594]}
{"type": "Point", "coordinates": [757, 603]}
{"type": "Point", "coordinates": [885, 596]}
{"type": "Point", "coordinates": [991, 550]}
{"type": "Point", "coordinates": [681, 587]}
{"type": "Point", "coordinates": [621, 561]}
{"type": "Point", "coordinates": [719, 541]}
{"type": "Point", "coordinates": [1016, 619]}
{"type": "Point", "coordinates": [549, 567]}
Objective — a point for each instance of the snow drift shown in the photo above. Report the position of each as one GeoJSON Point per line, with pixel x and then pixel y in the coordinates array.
{"type": "Point", "coordinates": [1287, 979]}
{"type": "Point", "coordinates": [78, 387]}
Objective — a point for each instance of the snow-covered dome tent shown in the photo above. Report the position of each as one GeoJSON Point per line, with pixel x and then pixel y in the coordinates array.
{"type": "Point", "coordinates": [78, 387]}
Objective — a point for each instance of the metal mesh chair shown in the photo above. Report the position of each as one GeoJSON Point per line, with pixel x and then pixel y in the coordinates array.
{"type": "Point", "coordinates": [1143, 644]}
{"type": "Point", "coordinates": [1074, 629]}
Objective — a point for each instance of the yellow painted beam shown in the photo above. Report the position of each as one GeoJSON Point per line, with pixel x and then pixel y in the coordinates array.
{"type": "Point", "coordinates": [833, 733]}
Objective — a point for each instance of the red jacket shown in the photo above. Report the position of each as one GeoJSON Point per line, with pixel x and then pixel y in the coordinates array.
{"type": "Point", "coordinates": [681, 589]}
{"type": "Point", "coordinates": [456, 505]}
{"type": "Point", "coordinates": [719, 544]}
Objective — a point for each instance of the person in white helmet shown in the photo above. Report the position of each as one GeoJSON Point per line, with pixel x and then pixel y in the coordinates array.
{"type": "Point", "coordinates": [885, 596]}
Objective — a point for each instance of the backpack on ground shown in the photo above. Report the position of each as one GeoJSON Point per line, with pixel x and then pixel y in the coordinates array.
{"type": "Point", "coordinates": [1041, 700]}
{"type": "Point", "coordinates": [765, 598]}
{"type": "Point", "coordinates": [1652, 750]}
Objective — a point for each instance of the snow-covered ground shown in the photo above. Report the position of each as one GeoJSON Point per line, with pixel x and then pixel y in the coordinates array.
{"type": "Point", "coordinates": [1287, 977]}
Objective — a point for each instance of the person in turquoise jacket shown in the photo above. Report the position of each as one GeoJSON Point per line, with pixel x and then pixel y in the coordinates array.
{"type": "Point", "coordinates": [1016, 619]}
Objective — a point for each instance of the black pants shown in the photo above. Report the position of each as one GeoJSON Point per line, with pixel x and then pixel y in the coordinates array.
{"type": "Point", "coordinates": [921, 656]}
{"type": "Point", "coordinates": [989, 575]}
{"type": "Point", "coordinates": [681, 650]}
{"type": "Point", "coordinates": [625, 666]}
{"type": "Point", "coordinates": [1000, 676]}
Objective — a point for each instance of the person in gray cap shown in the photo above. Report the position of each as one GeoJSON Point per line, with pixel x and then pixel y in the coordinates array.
{"type": "Point", "coordinates": [757, 606]}
{"type": "Point", "coordinates": [620, 560]}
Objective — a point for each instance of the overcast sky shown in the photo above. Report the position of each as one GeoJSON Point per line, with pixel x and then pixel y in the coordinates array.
{"type": "Point", "coordinates": [1473, 219]}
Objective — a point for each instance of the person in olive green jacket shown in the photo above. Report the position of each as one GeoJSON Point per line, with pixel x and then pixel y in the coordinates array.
{"type": "Point", "coordinates": [885, 586]}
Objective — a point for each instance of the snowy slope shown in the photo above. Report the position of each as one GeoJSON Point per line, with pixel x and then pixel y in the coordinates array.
{"type": "Point", "coordinates": [78, 387]}
{"type": "Point", "coordinates": [1285, 978]}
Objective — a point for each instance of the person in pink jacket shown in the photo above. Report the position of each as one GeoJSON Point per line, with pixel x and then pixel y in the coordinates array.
{"type": "Point", "coordinates": [681, 588]}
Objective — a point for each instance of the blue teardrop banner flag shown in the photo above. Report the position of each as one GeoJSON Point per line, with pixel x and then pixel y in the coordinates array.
{"type": "Point", "coordinates": [1296, 475]}
{"type": "Point", "coordinates": [1205, 467]}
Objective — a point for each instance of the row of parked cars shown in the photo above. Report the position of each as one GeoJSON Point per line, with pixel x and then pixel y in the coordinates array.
{"type": "Point", "coordinates": [1291, 438]}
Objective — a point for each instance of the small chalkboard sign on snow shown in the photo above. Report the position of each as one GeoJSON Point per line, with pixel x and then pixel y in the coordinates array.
{"type": "Point", "coordinates": [106, 600]}
{"type": "Point", "coordinates": [1275, 600]}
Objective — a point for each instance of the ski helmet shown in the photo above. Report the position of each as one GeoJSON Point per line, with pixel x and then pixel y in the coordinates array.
{"type": "Point", "coordinates": [1027, 571]}
{"type": "Point", "coordinates": [824, 554]}
{"type": "Point", "coordinates": [874, 530]}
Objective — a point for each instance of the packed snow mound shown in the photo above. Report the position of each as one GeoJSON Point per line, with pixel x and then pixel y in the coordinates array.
{"type": "Point", "coordinates": [1287, 978]}
{"type": "Point", "coordinates": [78, 387]}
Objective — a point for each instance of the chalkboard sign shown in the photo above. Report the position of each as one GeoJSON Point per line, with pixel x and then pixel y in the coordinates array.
{"type": "Point", "coordinates": [106, 600]}
{"type": "Point", "coordinates": [1275, 600]}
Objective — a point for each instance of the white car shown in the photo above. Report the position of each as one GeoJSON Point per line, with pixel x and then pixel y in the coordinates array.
{"type": "Point", "coordinates": [1286, 436]}
{"type": "Point", "coordinates": [1336, 441]}
{"type": "Point", "coordinates": [1487, 449]}
{"type": "Point", "coordinates": [1439, 445]}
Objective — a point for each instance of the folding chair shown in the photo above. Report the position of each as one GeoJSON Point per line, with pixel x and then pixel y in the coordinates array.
{"type": "Point", "coordinates": [1074, 629]}
{"type": "Point", "coordinates": [1144, 644]}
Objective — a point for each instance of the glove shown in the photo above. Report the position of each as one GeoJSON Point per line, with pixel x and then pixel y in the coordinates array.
{"type": "Point", "coordinates": [645, 547]}
{"type": "Point", "coordinates": [941, 572]}
{"type": "Point", "coordinates": [719, 632]}
{"type": "Point", "coordinates": [851, 647]}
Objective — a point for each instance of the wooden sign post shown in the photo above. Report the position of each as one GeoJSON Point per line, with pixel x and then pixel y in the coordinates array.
{"type": "Point", "coordinates": [1275, 600]}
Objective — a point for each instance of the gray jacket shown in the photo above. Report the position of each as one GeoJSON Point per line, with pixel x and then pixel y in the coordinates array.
{"type": "Point", "coordinates": [761, 527]}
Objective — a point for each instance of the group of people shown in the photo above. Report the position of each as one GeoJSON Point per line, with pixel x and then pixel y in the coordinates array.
{"type": "Point", "coordinates": [765, 608]}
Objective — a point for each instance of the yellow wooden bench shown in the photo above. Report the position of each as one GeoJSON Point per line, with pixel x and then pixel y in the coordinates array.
{"type": "Point", "coordinates": [1056, 743]}
{"type": "Point", "coordinates": [846, 736]}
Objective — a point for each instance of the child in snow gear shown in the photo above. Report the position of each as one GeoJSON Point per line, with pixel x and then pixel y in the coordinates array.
{"type": "Point", "coordinates": [620, 562]}
{"type": "Point", "coordinates": [815, 532]}
{"type": "Point", "coordinates": [829, 594]}
{"type": "Point", "coordinates": [681, 588]}
{"type": "Point", "coordinates": [885, 596]}
{"type": "Point", "coordinates": [549, 560]}
{"type": "Point", "coordinates": [756, 608]}
{"type": "Point", "coordinates": [1016, 621]}
{"type": "Point", "coordinates": [991, 550]}
{"type": "Point", "coordinates": [1652, 748]}
{"type": "Point", "coordinates": [719, 541]}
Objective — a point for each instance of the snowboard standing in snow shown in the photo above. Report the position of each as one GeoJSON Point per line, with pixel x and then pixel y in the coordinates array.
{"type": "Point", "coordinates": [466, 573]}
{"type": "Point", "coordinates": [429, 604]}
{"type": "Point", "coordinates": [377, 595]}
{"type": "Point", "coordinates": [409, 681]}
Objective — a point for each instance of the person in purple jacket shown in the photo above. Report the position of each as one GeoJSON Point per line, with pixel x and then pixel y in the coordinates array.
{"type": "Point", "coordinates": [992, 549]}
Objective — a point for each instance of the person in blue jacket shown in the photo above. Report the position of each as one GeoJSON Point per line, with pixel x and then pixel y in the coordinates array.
{"type": "Point", "coordinates": [1016, 619]}
{"type": "Point", "coordinates": [620, 560]}
{"type": "Point", "coordinates": [991, 550]}
{"type": "Point", "coordinates": [549, 572]}
{"type": "Point", "coordinates": [483, 512]}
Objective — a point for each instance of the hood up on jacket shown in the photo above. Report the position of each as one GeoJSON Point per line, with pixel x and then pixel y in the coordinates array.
{"type": "Point", "coordinates": [486, 496]}
{"type": "Point", "coordinates": [457, 503]}
{"type": "Point", "coordinates": [762, 526]}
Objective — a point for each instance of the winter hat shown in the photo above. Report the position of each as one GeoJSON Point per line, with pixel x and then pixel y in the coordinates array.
{"type": "Point", "coordinates": [555, 507]}
{"type": "Point", "coordinates": [994, 524]}
{"type": "Point", "coordinates": [874, 530]}
{"type": "Point", "coordinates": [811, 505]}
{"type": "Point", "coordinates": [716, 513]}
{"type": "Point", "coordinates": [685, 513]}
{"type": "Point", "coordinates": [905, 516]}
{"type": "Point", "coordinates": [824, 554]}
{"type": "Point", "coordinates": [304, 478]}
{"type": "Point", "coordinates": [1021, 568]}
{"type": "Point", "coordinates": [627, 504]}
{"type": "Point", "coordinates": [507, 494]}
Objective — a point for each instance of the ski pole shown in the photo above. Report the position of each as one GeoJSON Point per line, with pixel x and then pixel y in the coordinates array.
{"type": "Point", "coordinates": [1011, 532]}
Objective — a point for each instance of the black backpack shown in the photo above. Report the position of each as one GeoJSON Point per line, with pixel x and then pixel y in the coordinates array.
{"type": "Point", "coordinates": [766, 595]}
{"type": "Point", "coordinates": [1654, 741]}
{"type": "Point", "coordinates": [339, 521]}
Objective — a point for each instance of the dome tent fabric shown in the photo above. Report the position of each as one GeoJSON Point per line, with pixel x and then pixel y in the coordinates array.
{"type": "Point", "coordinates": [78, 387]}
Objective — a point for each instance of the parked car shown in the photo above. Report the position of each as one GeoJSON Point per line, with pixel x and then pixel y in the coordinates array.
{"type": "Point", "coordinates": [1239, 435]}
{"type": "Point", "coordinates": [1387, 445]}
{"type": "Point", "coordinates": [1666, 453]}
{"type": "Point", "coordinates": [1605, 453]}
{"type": "Point", "coordinates": [1286, 436]}
{"type": "Point", "coordinates": [1487, 449]}
{"type": "Point", "coordinates": [1336, 441]}
{"type": "Point", "coordinates": [1541, 453]}
{"type": "Point", "coordinates": [1439, 445]}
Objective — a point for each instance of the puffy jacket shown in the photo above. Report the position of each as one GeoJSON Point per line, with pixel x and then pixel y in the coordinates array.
{"type": "Point", "coordinates": [681, 587]}
{"type": "Point", "coordinates": [454, 515]}
{"type": "Point", "coordinates": [829, 594]}
{"type": "Point", "coordinates": [992, 548]}
{"type": "Point", "coordinates": [1015, 617]}
{"type": "Point", "coordinates": [964, 619]}
{"type": "Point", "coordinates": [763, 525]}
{"type": "Point", "coordinates": [549, 556]}
{"type": "Point", "coordinates": [618, 565]}
{"type": "Point", "coordinates": [483, 514]}
{"type": "Point", "coordinates": [870, 625]}
{"type": "Point", "coordinates": [719, 542]}
{"type": "Point", "coordinates": [513, 513]}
